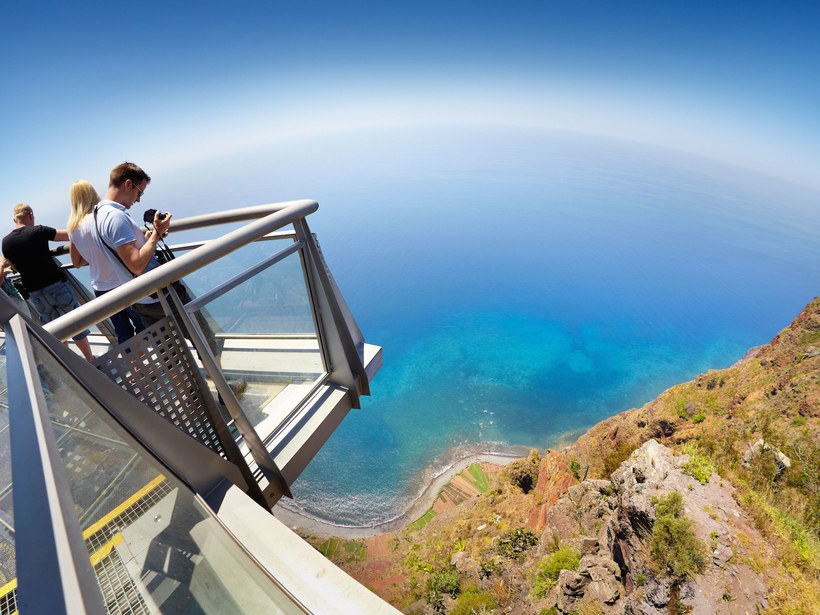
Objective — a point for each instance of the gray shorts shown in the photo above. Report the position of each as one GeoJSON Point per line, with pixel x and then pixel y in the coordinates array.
{"type": "Point", "coordinates": [55, 300]}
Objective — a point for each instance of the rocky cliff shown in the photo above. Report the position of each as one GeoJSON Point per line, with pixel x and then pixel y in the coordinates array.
{"type": "Point", "coordinates": [610, 524]}
{"type": "Point", "coordinates": [704, 500]}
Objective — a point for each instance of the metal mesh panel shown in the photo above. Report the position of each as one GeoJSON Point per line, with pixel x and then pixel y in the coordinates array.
{"type": "Point", "coordinates": [157, 368]}
{"type": "Point", "coordinates": [8, 602]}
{"type": "Point", "coordinates": [120, 593]}
{"type": "Point", "coordinates": [125, 517]}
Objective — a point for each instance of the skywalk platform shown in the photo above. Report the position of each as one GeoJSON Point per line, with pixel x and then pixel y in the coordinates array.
{"type": "Point", "coordinates": [143, 483]}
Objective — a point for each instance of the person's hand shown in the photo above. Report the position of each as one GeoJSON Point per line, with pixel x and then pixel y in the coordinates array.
{"type": "Point", "coordinates": [161, 224]}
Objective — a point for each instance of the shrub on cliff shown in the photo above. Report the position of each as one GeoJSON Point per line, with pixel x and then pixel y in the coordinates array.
{"type": "Point", "coordinates": [523, 472]}
{"type": "Point", "coordinates": [445, 581]}
{"type": "Point", "coordinates": [473, 601]}
{"type": "Point", "coordinates": [512, 544]}
{"type": "Point", "coordinates": [675, 549]}
{"type": "Point", "coordinates": [565, 558]}
{"type": "Point", "coordinates": [613, 461]}
{"type": "Point", "coordinates": [699, 466]}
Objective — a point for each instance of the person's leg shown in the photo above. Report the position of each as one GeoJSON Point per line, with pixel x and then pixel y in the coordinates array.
{"type": "Point", "coordinates": [149, 313]}
{"type": "Point", "coordinates": [122, 323]}
{"type": "Point", "coordinates": [84, 346]}
{"type": "Point", "coordinates": [62, 301]}
{"type": "Point", "coordinates": [136, 320]}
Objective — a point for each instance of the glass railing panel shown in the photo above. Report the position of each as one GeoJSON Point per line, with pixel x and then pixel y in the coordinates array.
{"type": "Point", "coordinates": [8, 554]}
{"type": "Point", "coordinates": [213, 274]}
{"type": "Point", "coordinates": [153, 546]}
{"type": "Point", "coordinates": [266, 333]}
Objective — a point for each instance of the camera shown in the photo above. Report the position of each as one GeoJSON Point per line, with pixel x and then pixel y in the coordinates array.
{"type": "Point", "coordinates": [148, 216]}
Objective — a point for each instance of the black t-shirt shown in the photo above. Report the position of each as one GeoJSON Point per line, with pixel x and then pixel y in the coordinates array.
{"type": "Point", "coordinates": [27, 249]}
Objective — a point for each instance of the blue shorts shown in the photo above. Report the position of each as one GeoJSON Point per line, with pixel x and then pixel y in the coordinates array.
{"type": "Point", "coordinates": [55, 300]}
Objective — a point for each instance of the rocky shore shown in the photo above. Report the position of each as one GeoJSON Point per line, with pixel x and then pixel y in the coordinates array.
{"type": "Point", "coordinates": [305, 524]}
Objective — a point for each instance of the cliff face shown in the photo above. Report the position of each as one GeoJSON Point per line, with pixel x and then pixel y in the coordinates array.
{"type": "Point", "coordinates": [610, 523]}
{"type": "Point", "coordinates": [704, 500]}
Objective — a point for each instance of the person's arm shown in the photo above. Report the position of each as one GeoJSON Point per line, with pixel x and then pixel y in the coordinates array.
{"type": "Point", "coordinates": [60, 235]}
{"type": "Point", "coordinates": [137, 259]}
{"type": "Point", "coordinates": [76, 258]}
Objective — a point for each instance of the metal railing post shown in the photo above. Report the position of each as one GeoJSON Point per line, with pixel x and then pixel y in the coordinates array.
{"type": "Point", "coordinates": [257, 448]}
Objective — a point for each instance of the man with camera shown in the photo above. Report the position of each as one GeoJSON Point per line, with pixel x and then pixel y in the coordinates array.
{"type": "Point", "coordinates": [117, 247]}
{"type": "Point", "coordinates": [123, 251]}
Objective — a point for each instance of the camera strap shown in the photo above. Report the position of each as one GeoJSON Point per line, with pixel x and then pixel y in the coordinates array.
{"type": "Point", "coordinates": [163, 253]}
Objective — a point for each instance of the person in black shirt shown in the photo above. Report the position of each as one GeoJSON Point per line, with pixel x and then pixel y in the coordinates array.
{"type": "Point", "coordinates": [26, 248]}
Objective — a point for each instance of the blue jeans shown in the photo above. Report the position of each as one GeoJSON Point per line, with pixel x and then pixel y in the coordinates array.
{"type": "Point", "coordinates": [55, 300]}
{"type": "Point", "coordinates": [127, 323]}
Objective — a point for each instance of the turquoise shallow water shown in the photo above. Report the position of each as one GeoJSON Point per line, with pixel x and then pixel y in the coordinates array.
{"type": "Point", "coordinates": [523, 286]}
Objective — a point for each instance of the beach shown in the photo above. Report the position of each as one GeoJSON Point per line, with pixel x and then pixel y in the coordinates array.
{"type": "Point", "coordinates": [303, 523]}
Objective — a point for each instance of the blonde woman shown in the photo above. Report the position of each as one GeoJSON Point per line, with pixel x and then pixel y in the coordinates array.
{"type": "Point", "coordinates": [86, 250]}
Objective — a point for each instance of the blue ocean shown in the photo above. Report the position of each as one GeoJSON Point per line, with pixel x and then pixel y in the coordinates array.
{"type": "Point", "coordinates": [524, 285]}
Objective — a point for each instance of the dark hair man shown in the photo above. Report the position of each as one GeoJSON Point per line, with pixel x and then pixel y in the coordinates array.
{"type": "Point", "coordinates": [123, 251]}
{"type": "Point", "coordinates": [114, 245]}
{"type": "Point", "coordinates": [26, 248]}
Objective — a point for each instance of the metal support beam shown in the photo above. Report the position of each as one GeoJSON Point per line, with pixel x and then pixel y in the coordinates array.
{"type": "Point", "coordinates": [347, 368]}
{"type": "Point", "coordinates": [48, 540]}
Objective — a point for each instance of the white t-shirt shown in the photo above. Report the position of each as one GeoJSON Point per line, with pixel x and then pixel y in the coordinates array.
{"type": "Point", "coordinates": [116, 228]}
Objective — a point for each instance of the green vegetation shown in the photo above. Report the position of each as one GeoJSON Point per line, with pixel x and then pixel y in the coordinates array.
{"type": "Point", "coordinates": [803, 544]}
{"type": "Point", "coordinates": [699, 466]}
{"type": "Point", "coordinates": [551, 566]}
{"type": "Point", "coordinates": [713, 381]}
{"type": "Point", "coordinates": [514, 543]}
{"type": "Point", "coordinates": [422, 521]}
{"type": "Point", "coordinates": [343, 550]}
{"type": "Point", "coordinates": [617, 457]}
{"type": "Point", "coordinates": [414, 561]}
{"type": "Point", "coordinates": [675, 549]}
{"type": "Point", "coordinates": [489, 567]}
{"type": "Point", "coordinates": [473, 601]}
{"type": "Point", "coordinates": [715, 419]}
{"type": "Point", "coordinates": [442, 582]}
{"type": "Point", "coordinates": [575, 468]}
{"type": "Point", "coordinates": [480, 479]}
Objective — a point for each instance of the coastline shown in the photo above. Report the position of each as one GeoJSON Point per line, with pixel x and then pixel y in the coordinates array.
{"type": "Point", "coordinates": [297, 520]}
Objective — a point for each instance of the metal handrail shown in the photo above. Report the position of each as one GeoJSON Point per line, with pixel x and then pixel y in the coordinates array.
{"type": "Point", "coordinates": [276, 215]}
{"type": "Point", "coordinates": [232, 215]}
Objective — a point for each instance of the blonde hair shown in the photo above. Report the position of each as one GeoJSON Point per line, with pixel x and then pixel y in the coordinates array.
{"type": "Point", "coordinates": [21, 211]}
{"type": "Point", "coordinates": [83, 198]}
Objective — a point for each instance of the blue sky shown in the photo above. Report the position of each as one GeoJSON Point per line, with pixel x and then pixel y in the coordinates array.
{"type": "Point", "coordinates": [167, 84]}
